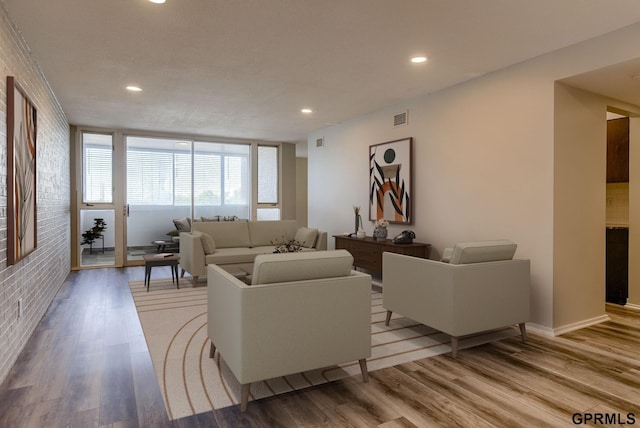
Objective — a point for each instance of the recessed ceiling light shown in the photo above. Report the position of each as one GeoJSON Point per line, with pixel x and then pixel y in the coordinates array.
{"type": "Point", "coordinates": [306, 111]}
{"type": "Point", "coordinates": [157, 1]}
{"type": "Point", "coordinates": [133, 88]}
{"type": "Point", "coordinates": [418, 59]}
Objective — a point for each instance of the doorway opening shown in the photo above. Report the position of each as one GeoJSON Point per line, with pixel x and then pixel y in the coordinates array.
{"type": "Point", "coordinates": [617, 209]}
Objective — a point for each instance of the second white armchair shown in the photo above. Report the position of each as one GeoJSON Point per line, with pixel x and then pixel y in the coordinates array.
{"type": "Point", "coordinates": [481, 288]}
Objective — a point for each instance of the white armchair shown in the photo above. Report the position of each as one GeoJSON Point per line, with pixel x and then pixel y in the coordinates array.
{"type": "Point", "coordinates": [304, 311]}
{"type": "Point", "coordinates": [481, 288]}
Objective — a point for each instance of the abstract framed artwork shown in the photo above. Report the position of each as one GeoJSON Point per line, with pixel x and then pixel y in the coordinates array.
{"type": "Point", "coordinates": [390, 177]}
{"type": "Point", "coordinates": [21, 173]}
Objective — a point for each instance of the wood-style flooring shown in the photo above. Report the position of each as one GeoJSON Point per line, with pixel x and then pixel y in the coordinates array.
{"type": "Point", "coordinates": [87, 365]}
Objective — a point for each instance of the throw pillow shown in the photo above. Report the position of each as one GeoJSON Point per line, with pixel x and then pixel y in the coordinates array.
{"type": "Point", "coordinates": [173, 233]}
{"type": "Point", "coordinates": [306, 237]}
{"type": "Point", "coordinates": [208, 244]}
{"type": "Point", "coordinates": [182, 224]}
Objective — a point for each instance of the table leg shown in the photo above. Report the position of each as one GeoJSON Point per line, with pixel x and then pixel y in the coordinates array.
{"type": "Point", "coordinates": [176, 270]}
{"type": "Point", "coordinates": [147, 276]}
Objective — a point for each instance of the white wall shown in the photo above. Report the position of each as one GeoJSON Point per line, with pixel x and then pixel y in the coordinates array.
{"type": "Point", "coordinates": [579, 207]}
{"type": "Point", "coordinates": [483, 160]}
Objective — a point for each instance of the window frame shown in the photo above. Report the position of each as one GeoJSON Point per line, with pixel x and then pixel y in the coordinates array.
{"type": "Point", "coordinates": [84, 161]}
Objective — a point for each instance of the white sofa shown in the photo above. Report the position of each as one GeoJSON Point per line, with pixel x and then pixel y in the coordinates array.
{"type": "Point", "coordinates": [303, 311]}
{"type": "Point", "coordinates": [239, 242]}
{"type": "Point", "coordinates": [480, 288]}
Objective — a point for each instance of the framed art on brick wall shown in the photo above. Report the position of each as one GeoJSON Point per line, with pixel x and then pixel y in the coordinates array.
{"type": "Point", "coordinates": [21, 173]}
{"type": "Point", "coordinates": [390, 182]}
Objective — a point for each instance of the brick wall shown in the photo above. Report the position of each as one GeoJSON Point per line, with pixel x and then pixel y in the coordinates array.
{"type": "Point", "coordinates": [36, 278]}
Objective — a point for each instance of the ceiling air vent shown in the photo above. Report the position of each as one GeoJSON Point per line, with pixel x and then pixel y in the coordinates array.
{"type": "Point", "coordinates": [400, 118]}
{"type": "Point", "coordinates": [320, 142]}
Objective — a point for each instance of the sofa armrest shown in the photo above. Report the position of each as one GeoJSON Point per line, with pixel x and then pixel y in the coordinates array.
{"type": "Point", "coordinates": [265, 331]}
{"type": "Point", "coordinates": [192, 257]}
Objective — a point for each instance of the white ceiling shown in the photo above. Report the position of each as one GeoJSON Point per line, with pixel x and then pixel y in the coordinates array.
{"type": "Point", "coordinates": [245, 68]}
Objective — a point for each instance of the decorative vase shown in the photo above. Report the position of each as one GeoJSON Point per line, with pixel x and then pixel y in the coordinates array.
{"type": "Point", "coordinates": [380, 233]}
{"type": "Point", "coordinates": [358, 223]}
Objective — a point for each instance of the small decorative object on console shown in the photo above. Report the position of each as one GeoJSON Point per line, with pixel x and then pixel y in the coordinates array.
{"type": "Point", "coordinates": [380, 231]}
{"type": "Point", "coordinates": [358, 219]}
{"type": "Point", "coordinates": [405, 237]}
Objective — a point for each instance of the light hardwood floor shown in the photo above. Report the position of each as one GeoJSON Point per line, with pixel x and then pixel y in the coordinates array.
{"type": "Point", "coordinates": [87, 365]}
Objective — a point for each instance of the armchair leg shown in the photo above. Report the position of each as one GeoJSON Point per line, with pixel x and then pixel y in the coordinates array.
{"type": "Point", "coordinates": [194, 281]}
{"type": "Point", "coordinates": [181, 273]}
{"type": "Point", "coordinates": [523, 331]}
{"type": "Point", "coordinates": [388, 320]}
{"type": "Point", "coordinates": [212, 350]}
{"type": "Point", "coordinates": [363, 369]}
{"type": "Point", "coordinates": [244, 396]}
{"type": "Point", "coordinates": [454, 346]}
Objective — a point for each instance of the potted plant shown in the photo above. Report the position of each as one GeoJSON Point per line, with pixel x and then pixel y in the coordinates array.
{"type": "Point", "coordinates": [89, 236]}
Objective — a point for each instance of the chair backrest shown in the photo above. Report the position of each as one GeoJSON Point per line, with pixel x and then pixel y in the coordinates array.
{"type": "Point", "coordinates": [287, 267]}
{"type": "Point", "coordinates": [482, 251]}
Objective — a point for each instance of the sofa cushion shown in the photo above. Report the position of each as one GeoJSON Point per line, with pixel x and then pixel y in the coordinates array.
{"type": "Point", "coordinates": [224, 256]}
{"type": "Point", "coordinates": [306, 237]}
{"type": "Point", "coordinates": [264, 233]}
{"type": "Point", "coordinates": [208, 244]}
{"type": "Point", "coordinates": [300, 266]}
{"type": "Point", "coordinates": [482, 251]}
{"type": "Point", "coordinates": [182, 224]}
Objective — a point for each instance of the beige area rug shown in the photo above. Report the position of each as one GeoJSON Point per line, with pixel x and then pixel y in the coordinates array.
{"type": "Point", "coordinates": [175, 327]}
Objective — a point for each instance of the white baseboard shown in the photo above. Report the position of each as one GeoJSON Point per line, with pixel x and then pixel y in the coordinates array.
{"type": "Point", "coordinates": [580, 324]}
{"type": "Point", "coordinates": [539, 329]}
{"type": "Point", "coordinates": [632, 306]}
{"type": "Point", "coordinates": [558, 331]}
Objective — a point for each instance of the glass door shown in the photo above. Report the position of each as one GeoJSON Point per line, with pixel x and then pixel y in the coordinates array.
{"type": "Point", "coordinates": [97, 225]}
{"type": "Point", "coordinates": [158, 197]}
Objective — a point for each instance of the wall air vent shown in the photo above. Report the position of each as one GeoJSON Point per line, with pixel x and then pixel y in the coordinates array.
{"type": "Point", "coordinates": [401, 118]}
{"type": "Point", "coordinates": [320, 142]}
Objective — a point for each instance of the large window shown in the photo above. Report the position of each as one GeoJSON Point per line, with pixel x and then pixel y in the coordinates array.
{"type": "Point", "coordinates": [159, 172]}
{"type": "Point", "coordinates": [221, 174]}
{"type": "Point", "coordinates": [97, 183]}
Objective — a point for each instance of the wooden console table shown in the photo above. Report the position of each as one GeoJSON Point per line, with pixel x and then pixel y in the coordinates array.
{"type": "Point", "coordinates": [367, 252]}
